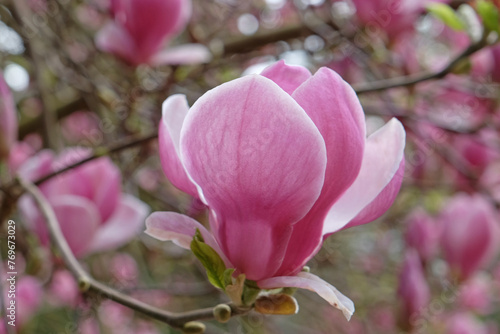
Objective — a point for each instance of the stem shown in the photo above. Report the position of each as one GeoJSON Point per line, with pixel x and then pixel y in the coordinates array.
{"type": "Point", "coordinates": [99, 152]}
{"type": "Point", "coordinates": [420, 77]}
{"type": "Point", "coordinates": [35, 49]}
{"type": "Point", "coordinates": [87, 283]}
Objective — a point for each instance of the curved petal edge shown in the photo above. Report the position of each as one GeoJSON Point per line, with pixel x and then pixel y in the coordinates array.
{"type": "Point", "coordinates": [313, 283]}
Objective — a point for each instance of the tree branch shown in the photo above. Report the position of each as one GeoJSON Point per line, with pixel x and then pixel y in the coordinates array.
{"type": "Point", "coordinates": [420, 77]}
{"type": "Point", "coordinates": [100, 152]}
{"type": "Point", "coordinates": [87, 283]}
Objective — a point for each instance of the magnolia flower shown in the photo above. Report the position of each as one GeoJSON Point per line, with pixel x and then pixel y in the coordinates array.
{"type": "Point", "coordinates": [141, 28]}
{"type": "Point", "coordinates": [465, 323]}
{"type": "Point", "coordinates": [422, 233]}
{"type": "Point", "coordinates": [470, 233]}
{"type": "Point", "coordinates": [28, 298]}
{"type": "Point", "coordinates": [413, 287]}
{"type": "Point", "coordinates": [93, 213]}
{"type": "Point", "coordinates": [281, 161]}
{"type": "Point", "coordinates": [8, 117]}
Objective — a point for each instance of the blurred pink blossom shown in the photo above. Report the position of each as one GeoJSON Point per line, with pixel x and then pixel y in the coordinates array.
{"type": "Point", "coordinates": [453, 107]}
{"type": "Point", "coordinates": [124, 269]}
{"type": "Point", "coordinates": [142, 28]}
{"type": "Point", "coordinates": [413, 287]}
{"type": "Point", "coordinates": [464, 323]}
{"type": "Point", "coordinates": [28, 298]}
{"type": "Point", "coordinates": [490, 180]}
{"type": "Point", "coordinates": [279, 168]}
{"type": "Point", "coordinates": [8, 117]}
{"type": "Point", "coordinates": [475, 154]}
{"type": "Point", "coordinates": [19, 153]}
{"type": "Point", "coordinates": [64, 288]}
{"type": "Point", "coordinates": [470, 233]}
{"type": "Point", "coordinates": [93, 212]}
{"type": "Point", "coordinates": [475, 295]}
{"type": "Point", "coordinates": [82, 126]}
{"type": "Point", "coordinates": [422, 233]}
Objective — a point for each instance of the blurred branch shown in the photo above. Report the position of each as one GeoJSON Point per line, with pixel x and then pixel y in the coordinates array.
{"type": "Point", "coordinates": [100, 152]}
{"type": "Point", "coordinates": [33, 124]}
{"type": "Point", "coordinates": [247, 44]}
{"type": "Point", "coordinates": [420, 77]}
{"type": "Point", "coordinates": [35, 48]}
{"type": "Point", "coordinates": [87, 283]}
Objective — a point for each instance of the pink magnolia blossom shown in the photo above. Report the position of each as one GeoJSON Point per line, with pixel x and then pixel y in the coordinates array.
{"type": "Point", "coordinates": [464, 323]}
{"type": "Point", "coordinates": [281, 160]}
{"type": "Point", "coordinates": [413, 287]}
{"type": "Point", "coordinates": [422, 234]}
{"type": "Point", "coordinates": [475, 295]}
{"type": "Point", "coordinates": [141, 28]}
{"type": "Point", "coordinates": [8, 117]}
{"type": "Point", "coordinates": [475, 154]}
{"type": "Point", "coordinates": [470, 233]}
{"type": "Point", "coordinates": [93, 212]}
{"type": "Point", "coordinates": [28, 298]}
{"type": "Point", "coordinates": [64, 289]}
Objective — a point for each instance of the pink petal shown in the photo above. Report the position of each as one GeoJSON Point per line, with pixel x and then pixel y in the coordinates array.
{"type": "Point", "coordinates": [259, 161]}
{"type": "Point", "coordinates": [180, 229]}
{"type": "Point", "coordinates": [382, 159]}
{"type": "Point", "coordinates": [174, 111]}
{"type": "Point", "coordinates": [187, 54]}
{"type": "Point", "coordinates": [28, 297]}
{"type": "Point", "coordinates": [37, 166]}
{"type": "Point", "coordinates": [470, 233]}
{"type": "Point", "coordinates": [113, 38]}
{"type": "Point", "coordinates": [78, 218]}
{"type": "Point", "coordinates": [122, 226]}
{"type": "Point", "coordinates": [286, 76]}
{"type": "Point", "coordinates": [334, 108]}
{"type": "Point", "coordinates": [413, 287]}
{"type": "Point", "coordinates": [105, 180]}
{"type": "Point", "coordinates": [382, 202]}
{"type": "Point", "coordinates": [150, 23]}
{"type": "Point", "coordinates": [98, 180]}
{"type": "Point", "coordinates": [313, 283]}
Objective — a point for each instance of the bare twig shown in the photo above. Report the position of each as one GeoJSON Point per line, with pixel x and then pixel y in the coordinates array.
{"type": "Point", "coordinates": [35, 47]}
{"type": "Point", "coordinates": [416, 78]}
{"type": "Point", "coordinates": [100, 152]}
{"type": "Point", "coordinates": [87, 283]}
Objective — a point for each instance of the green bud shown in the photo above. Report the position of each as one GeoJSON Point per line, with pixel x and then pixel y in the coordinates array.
{"type": "Point", "coordinates": [222, 313]}
{"type": "Point", "coordinates": [83, 284]}
{"type": "Point", "coordinates": [193, 327]}
{"type": "Point", "coordinates": [306, 269]}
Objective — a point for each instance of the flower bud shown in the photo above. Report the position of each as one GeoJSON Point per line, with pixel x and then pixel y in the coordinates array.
{"type": "Point", "coordinates": [193, 327]}
{"type": "Point", "coordinates": [470, 233]}
{"type": "Point", "coordinates": [222, 313]}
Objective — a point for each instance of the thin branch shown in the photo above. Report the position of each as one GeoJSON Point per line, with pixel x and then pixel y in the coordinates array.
{"type": "Point", "coordinates": [87, 283]}
{"type": "Point", "coordinates": [34, 47]}
{"type": "Point", "coordinates": [250, 43]}
{"type": "Point", "coordinates": [420, 77]}
{"type": "Point", "coordinates": [100, 152]}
